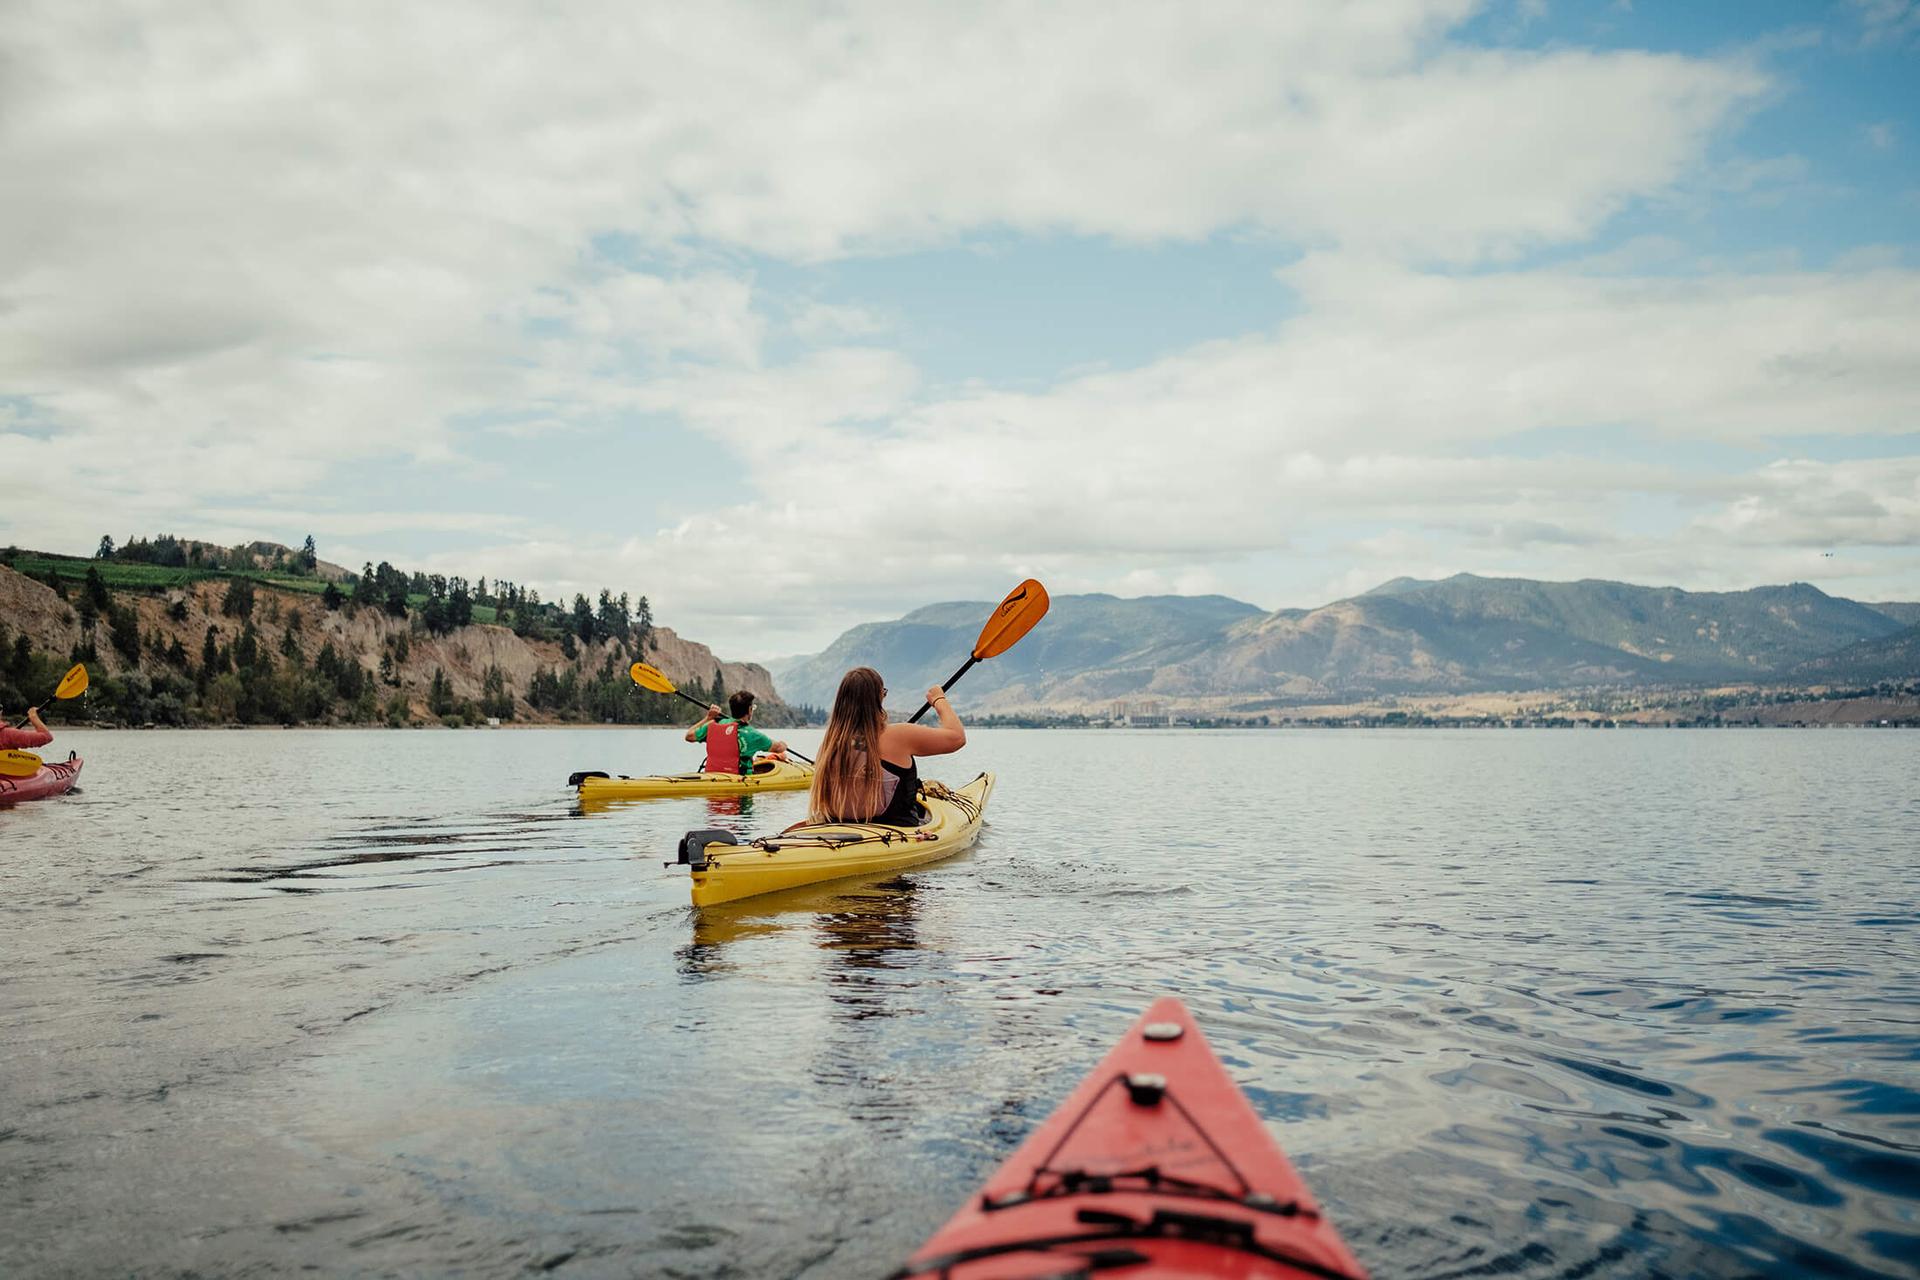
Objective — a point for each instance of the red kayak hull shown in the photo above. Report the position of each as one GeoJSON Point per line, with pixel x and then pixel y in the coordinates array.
{"type": "Point", "coordinates": [51, 780]}
{"type": "Point", "coordinates": [1155, 1166]}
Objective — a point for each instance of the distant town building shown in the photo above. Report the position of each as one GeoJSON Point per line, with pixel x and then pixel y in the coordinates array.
{"type": "Point", "coordinates": [1142, 715]}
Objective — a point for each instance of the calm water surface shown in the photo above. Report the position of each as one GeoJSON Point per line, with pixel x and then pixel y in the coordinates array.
{"type": "Point", "coordinates": [1517, 1003]}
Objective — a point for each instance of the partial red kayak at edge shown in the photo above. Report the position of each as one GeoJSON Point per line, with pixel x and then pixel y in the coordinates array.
{"type": "Point", "coordinates": [1155, 1166]}
{"type": "Point", "coordinates": [51, 780]}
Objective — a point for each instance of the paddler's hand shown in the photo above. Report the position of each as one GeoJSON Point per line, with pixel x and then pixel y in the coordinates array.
{"type": "Point", "coordinates": [934, 694]}
{"type": "Point", "coordinates": [713, 711]}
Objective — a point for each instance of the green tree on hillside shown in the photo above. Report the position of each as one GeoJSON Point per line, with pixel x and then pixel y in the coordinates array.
{"type": "Point", "coordinates": [125, 630]}
{"type": "Point", "coordinates": [495, 698]}
{"type": "Point", "coordinates": [440, 694]}
{"type": "Point", "coordinates": [96, 589]}
{"type": "Point", "coordinates": [238, 602]}
{"type": "Point", "coordinates": [459, 603]}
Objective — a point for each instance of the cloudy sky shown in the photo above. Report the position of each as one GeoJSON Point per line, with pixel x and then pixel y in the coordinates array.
{"type": "Point", "coordinates": [791, 316]}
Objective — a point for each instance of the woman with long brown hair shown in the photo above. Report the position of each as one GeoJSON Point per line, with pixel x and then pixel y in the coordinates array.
{"type": "Point", "coordinates": [866, 771]}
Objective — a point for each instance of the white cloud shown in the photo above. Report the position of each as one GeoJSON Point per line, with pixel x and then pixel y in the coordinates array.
{"type": "Point", "coordinates": [1887, 21]}
{"type": "Point", "coordinates": [1388, 400]}
{"type": "Point", "coordinates": [813, 321]}
{"type": "Point", "coordinates": [1818, 505]}
{"type": "Point", "coordinates": [248, 255]}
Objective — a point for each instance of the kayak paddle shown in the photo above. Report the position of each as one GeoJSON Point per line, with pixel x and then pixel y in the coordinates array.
{"type": "Point", "coordinates": [654, 680]}
{"type": "Point", "coordinates": [1025, 605]}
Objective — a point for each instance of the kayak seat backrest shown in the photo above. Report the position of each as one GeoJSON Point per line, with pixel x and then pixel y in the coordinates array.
{"type": "Point", "coordinates": [693, 845]}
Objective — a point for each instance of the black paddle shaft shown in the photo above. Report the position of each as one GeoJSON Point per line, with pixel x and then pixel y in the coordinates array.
{"type": "Point", "coordinates": [952, 680]}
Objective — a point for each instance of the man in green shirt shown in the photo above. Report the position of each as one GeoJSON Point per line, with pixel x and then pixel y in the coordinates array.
{"type": "Point", "coordinates": [732, 743]}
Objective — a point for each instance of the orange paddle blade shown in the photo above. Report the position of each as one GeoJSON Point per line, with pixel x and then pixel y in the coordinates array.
{"type": "Point", "coordinates": [1025, 605]}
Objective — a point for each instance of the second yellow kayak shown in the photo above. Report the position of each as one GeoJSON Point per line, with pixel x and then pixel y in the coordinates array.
{"type": "Point", "coordinates": [773, 775]}
{"type": "Point", "coordinates": [813, 852]}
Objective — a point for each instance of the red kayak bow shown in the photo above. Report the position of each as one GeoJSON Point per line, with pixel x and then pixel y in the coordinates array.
{"type": "Point", "coordinates": [1156, 1166]}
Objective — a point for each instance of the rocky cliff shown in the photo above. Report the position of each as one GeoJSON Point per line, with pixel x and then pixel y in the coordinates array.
{"type": "Point", "coordinates": [363, 635]}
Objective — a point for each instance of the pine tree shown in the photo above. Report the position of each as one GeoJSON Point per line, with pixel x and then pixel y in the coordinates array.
{"type": "Point", "coordinates": [238, 602]}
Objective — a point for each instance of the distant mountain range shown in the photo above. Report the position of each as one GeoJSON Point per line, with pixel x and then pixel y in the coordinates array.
{"type": "Point", "coordinates": [1865, 662]}
{"type": "Point", "coordinates": [1407, 636]}
{"type": "Point", "coordinates": [1097, 639]}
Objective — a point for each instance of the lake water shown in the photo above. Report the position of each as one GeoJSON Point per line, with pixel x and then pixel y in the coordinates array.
{"type": "Point", "coordinates": [1516, 1003]}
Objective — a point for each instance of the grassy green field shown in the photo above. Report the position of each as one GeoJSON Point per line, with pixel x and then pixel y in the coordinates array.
{"type": "Point", "coordinates": [153, 577]}
{"type": "Point", "coordinates": [481, 612]}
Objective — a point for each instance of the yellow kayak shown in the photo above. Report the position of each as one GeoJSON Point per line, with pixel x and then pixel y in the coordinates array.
{"type": "Point", "coordinates": [725, 871]}
{"type": "Point", "coordinates": [769, 775]}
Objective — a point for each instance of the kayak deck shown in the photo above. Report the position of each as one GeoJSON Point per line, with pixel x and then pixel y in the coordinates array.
{"type": "Point", "coordinates": [815, 852]}
{"type": "Point", "coordinates": [1156, 1165]}
{"type": "Point", "coordinates": [784, 775]}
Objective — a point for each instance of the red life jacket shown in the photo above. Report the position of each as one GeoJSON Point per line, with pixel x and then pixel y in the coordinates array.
{"type": "Point", "coordinates": [723, 746]}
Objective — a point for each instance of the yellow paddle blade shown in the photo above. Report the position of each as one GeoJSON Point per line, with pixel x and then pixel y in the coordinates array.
{"type": "Point", "coordinates": [73, 684]}
{"type": "Point", "coordinates": [18, 764]}
{"type": "Point", "coordinates": [651, 677]}
{"type": "Point", "coordinates": [1025, 605]}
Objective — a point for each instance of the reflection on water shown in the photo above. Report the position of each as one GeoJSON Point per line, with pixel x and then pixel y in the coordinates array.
{"type": "Point", "coordinates": [859, 926]}
{"type": "Point", "coordinates": [738, 807]}
{"type": "Point", "coordinates": [1524, 1004]}
{"type": "Point", "coordinates": [863, 927]}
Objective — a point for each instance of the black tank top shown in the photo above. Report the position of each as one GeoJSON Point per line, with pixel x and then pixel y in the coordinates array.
{"type": "Point", "coordinates": [904, 809]}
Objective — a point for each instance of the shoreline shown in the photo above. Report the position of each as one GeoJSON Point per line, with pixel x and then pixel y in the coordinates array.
{"type": "Point", "coordinates": [1475, 725]}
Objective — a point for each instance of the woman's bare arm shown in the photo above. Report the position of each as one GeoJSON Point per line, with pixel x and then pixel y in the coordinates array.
{"type": "Point", "coordinates": [925, 739]}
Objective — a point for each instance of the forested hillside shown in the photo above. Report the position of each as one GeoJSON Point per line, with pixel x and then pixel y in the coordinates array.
{"type": "Point", "coordinates": [180, 633]}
